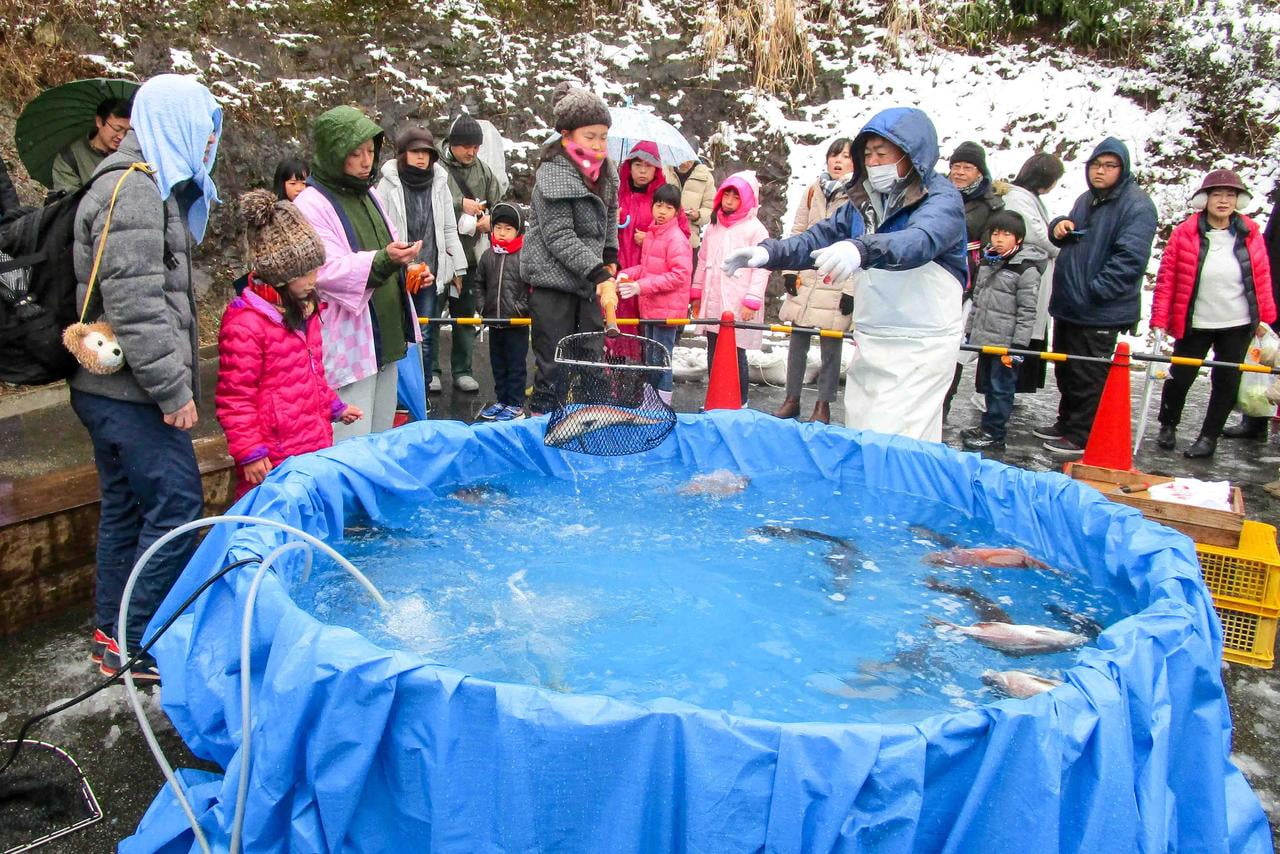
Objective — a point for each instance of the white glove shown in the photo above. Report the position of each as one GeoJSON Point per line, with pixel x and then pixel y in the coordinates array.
{"type": "Point", "coordinates": [627, 288]}
{"type": "Point", "coordinates": [748, 256]}
{"type": "Point", "coordinates": [838, 261]}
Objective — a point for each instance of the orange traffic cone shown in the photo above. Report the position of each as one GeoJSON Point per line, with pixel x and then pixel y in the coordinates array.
{"type": "Point", "coordinates": [1110, 442]}
{"type": "Point", "coordinates": [723, 390]}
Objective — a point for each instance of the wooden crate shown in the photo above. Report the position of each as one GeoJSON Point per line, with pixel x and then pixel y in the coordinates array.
{"type": "Point", "coordinates": [1212, 527]}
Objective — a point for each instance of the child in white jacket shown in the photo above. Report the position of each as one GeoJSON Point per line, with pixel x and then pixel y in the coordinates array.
{"type": "Point", "coordinates": [734, 225]}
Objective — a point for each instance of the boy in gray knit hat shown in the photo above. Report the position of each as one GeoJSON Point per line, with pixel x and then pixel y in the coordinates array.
{"type": "Point", "coordinates": [571, 247]}
{"type": "Point", "coordinates": [475, 191]}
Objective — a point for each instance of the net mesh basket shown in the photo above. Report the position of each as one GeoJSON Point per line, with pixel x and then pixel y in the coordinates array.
{"type": "Point", "coordinates": [606, 401]}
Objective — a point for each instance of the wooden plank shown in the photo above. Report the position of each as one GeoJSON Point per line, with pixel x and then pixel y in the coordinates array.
{"type": "Point", "coordinates": [49, 530]}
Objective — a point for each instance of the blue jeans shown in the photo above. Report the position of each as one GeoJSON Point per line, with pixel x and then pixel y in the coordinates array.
{"type": "Point", "coordinates": [666, 336]}
{"type": "Point", "coordinates": [426, 305]}
{"type": "Point", "coordinates": [150, 485]}
{"type": "Point", "coordinates": [1002, 384]}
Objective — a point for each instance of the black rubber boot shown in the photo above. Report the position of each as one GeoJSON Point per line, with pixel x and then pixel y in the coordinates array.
{"type": "Point", "coordinates": [1201, 448]}
{"type": "Point", "coordinates": [1167, 437]}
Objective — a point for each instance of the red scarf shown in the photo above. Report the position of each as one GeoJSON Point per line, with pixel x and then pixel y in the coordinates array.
{"type": "Point", "coordinates": [262, 289]}
{"type": "Point", "coordinates": [507, 247]}
{"type": "Point", "coordinates": [588, 162]}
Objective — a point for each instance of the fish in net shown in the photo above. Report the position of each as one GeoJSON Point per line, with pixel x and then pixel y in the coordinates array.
{"type": "Point", "coordinates": [43, 796]}
{"type": "Point", "coordinates": [607, 403]}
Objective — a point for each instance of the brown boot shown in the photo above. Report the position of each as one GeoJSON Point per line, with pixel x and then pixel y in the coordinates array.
{"type": "Point", "coordinates": [821, 412]}
{"type": "Point", "coordinates": [790, 408]}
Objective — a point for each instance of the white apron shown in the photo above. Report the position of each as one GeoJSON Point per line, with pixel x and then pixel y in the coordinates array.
{"type": "Point", "coordinates": [908, 329]}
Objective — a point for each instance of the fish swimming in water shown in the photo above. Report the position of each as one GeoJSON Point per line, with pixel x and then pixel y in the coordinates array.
{"type": "Point", "coordinates": [1079, 623]}
{"type": "Point", "coordinates": [992, 558]}
{"type": "Point", "coordinates": [717, 484]}
{"type": "Point", "coordinates": [1018, 684]}
{"type": "Point", "coordinates": [926, 533]}
{"type": "Point", "coordinates": [1015, 639]}
{"type": "Point", "coordinates": [841, 557]}
{"type": "Point", "coordinates": [480, 493]}
{"type": "Point", "coordinates": [592, 418]}
{"type": "Point", "coordinates": [987, 610]}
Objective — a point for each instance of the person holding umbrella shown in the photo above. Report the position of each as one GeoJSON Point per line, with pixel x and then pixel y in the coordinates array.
{"type": "Point", "coordinates": [75, 164]}
{"type": "Point", "coordinates": [1213, 290]}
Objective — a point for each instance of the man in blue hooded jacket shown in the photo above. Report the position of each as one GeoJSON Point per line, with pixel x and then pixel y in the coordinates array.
{"type": "Point", "coordinates": [1097, 287]}
{"type": "Point", "coordinates": [903, 235]}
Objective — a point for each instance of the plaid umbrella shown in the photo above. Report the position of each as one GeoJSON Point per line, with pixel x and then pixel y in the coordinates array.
{"type": "Point", "coordinates": [58, 117]}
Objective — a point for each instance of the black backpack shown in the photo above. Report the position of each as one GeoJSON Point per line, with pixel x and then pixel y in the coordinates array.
{"type": "Point", "coordinates": [38, 290]}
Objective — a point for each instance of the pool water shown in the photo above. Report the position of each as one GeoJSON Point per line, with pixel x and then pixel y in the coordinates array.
{"type": "Point", "coordinates": [619, 584]}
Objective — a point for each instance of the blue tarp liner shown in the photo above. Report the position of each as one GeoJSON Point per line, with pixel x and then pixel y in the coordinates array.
{"type": "Point", "coordinates": [363, 749]}
{"type": "Point", "coordinates": [411, 384]}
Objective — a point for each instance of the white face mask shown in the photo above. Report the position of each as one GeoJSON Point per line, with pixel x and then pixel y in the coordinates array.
{"type": "Point", "coordinates": [883, 177]}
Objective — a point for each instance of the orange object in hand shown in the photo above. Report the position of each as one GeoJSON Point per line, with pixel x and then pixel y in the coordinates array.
{"type": "Point", "coordinates": [417, 276]}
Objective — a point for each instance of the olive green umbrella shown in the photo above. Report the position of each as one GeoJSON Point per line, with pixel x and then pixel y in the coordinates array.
{"type": "Point", "coordinates": [58, 117]}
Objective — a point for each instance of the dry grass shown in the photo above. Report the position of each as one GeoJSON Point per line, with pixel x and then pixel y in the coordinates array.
{"type": "Point", "coordinates": [769, 36]}
{"type": "Point", "coordinates": [33, 48]}
{"type": "Point", "coordinates": [912, 23]}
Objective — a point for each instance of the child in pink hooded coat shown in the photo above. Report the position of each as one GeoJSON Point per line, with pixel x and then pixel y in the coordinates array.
{"type": "Point", "coordinates": [273, 400]}
{"type": "Point", "coordinates": [734, 225]}
{"type": "Point", "coordinates": [661, 278]}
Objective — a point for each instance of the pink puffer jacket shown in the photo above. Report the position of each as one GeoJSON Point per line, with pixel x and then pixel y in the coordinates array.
{"type": "Point", "coordinates": [717, 291]}
{"type": "Point", "coordinates": [664, 272]}
{"type": "Point", "coordinates": [272, 399]}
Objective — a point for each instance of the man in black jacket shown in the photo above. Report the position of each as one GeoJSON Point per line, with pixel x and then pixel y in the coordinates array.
{"type": "Point", "coordinates": [1097, 285]}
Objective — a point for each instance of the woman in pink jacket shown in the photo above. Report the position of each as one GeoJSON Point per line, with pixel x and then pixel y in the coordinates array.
{"type": "Point", "coordinates": [1213, 290]}
{"type": "Point", "coordinates": [272, 398]}
{"type": "Point", "coordinates": [734, 225]}
{"type": "Point", "coordinates": [661, 279]}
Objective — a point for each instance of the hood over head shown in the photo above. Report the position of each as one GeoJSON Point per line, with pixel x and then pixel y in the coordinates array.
{"type": "Point", "coordinates": [906, 127]}
{"type": "Point", "coordinates": [337, 133]}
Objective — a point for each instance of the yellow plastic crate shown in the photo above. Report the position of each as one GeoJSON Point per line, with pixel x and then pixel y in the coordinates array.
{"type": "Point", "coordinates": [1247, 577]}
{"type": "Point", "coordinates": [1247, 638]}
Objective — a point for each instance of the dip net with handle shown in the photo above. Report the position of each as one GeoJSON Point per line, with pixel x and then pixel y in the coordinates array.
{"type": "Point", "coordinates": [606, 400]}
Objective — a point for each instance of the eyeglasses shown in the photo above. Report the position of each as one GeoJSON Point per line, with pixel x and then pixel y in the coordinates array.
{"type": "Point", "coordinates": [119, 130]}
{"type": "Point", "coordinates": [1104, 167]}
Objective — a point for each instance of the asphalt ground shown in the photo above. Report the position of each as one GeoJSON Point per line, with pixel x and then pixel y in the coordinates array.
{"type": "Point", "coordinates": [49, 662]}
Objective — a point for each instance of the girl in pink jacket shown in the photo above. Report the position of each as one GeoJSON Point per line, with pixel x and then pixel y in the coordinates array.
{"type": "Point", "coordinates": [272, 398]}
{"type": "Point", "coordinates": [661, 279]}
{"type": "Point", "coordinates": [734, 225]}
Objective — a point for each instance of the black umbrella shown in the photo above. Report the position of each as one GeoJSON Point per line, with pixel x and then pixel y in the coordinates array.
{"type": "Point", "coordinates": [58, 117]}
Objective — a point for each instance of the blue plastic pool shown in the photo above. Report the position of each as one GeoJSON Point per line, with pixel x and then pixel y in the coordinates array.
{"type": "Point", "coordinates": [362, 744]}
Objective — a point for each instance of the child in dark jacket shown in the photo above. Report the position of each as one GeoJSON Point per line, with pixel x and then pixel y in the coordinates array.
{"type": "Point", "coordinates": [1003, 315]}
{"type": "Point", "coordinates": [503, 292]}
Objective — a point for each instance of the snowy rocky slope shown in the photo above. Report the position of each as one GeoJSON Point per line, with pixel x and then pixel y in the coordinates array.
{"type": "Point", "coordinates": [277, 64]}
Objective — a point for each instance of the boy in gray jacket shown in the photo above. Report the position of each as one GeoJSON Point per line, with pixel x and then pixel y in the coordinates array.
{"type": "Point", "coordinates": [1004, 315]}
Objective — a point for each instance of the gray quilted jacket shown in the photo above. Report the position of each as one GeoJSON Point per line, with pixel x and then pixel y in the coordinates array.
{"type": "Point", "coordinates": [1004, 299]}
{"type": "Point", "coordinates": [572, 231]}
{"type": "Point", "coordinates": [150, 305]}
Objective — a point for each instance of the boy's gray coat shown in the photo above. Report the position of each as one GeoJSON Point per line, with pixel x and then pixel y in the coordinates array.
{"type": "Point", "coordinates": [571, 229]}
{"type": "Point", "coordinates": [151, 308]}
{"type": "Point", "coordinates": [1004, 299]}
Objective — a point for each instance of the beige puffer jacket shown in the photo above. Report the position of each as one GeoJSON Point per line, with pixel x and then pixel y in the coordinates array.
{"type": "Point", "coordinates": [816, 303]}
{"type": "Point", "coordinates": [697, 194]}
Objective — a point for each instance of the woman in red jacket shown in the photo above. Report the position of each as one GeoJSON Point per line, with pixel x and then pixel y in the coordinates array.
{"type": "Point", "coordinates": [1212, 291]}
{"type": "Point", "coordinates": [272, 399]}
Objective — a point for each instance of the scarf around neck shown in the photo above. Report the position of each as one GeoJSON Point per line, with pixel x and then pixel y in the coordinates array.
{"type": "Point", "coordinates": [586, 161]}
{"type": "Point", "coordinates": [507, 247]}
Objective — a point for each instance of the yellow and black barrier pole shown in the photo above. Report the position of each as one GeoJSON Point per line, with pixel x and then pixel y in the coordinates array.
{"type": "Point", "coordinates": [783, 329]}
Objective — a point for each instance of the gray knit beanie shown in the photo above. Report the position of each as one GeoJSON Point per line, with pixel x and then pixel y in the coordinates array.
{"type": "Point", "coordinates": [575, 107]}
{"type": "Point", "coordinates": [282, 244]}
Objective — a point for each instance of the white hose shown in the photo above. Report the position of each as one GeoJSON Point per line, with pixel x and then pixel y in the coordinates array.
{"type": "Point", "coordinates": [246, 728]}
{"type": "Point", "coordinates": [131, 691]}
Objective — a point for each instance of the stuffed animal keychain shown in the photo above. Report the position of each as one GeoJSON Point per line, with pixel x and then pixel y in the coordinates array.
{"type": "Point", "coordinates": [94, 345]}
